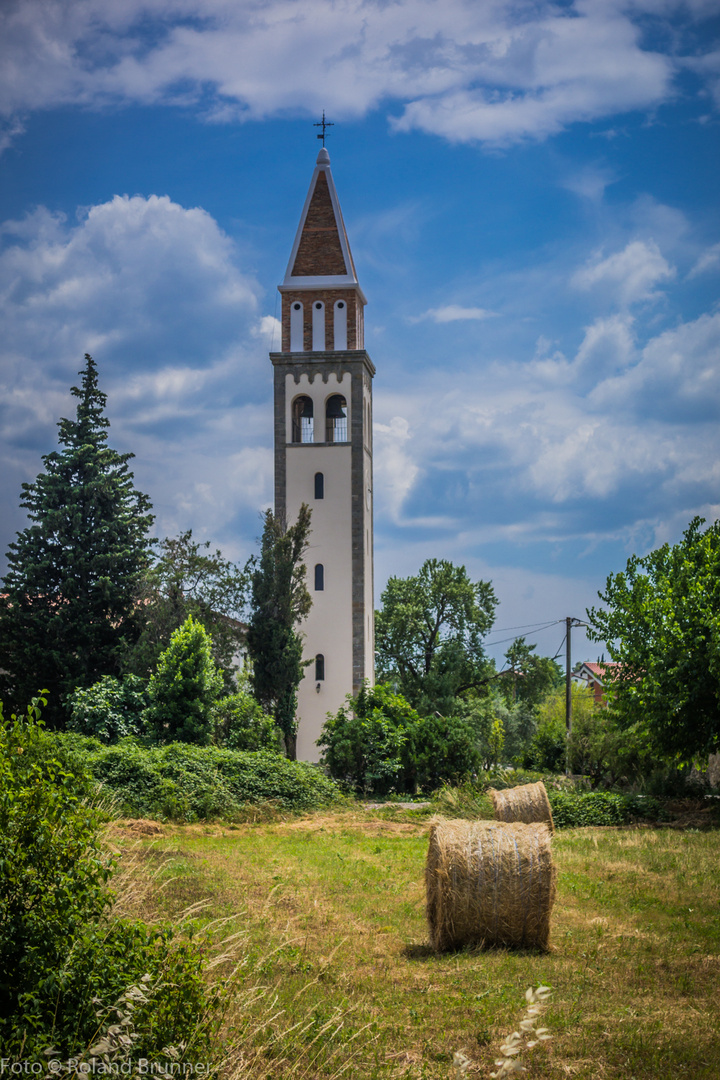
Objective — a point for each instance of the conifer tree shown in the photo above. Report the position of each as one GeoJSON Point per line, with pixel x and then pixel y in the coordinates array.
{"type": "Point", "coordinates": [279, 601]}
{"type": "Point", "coordinates": [68, 611]}
{"type": "Point", "coordinates": [184, 687]}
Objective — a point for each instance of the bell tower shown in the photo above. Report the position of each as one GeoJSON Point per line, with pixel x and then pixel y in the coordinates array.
{"type": "Point", "coordinates": [323, 453]}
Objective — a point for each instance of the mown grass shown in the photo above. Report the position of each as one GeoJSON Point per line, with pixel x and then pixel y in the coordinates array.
{"type": "Point", "coordinates": [332, 909]}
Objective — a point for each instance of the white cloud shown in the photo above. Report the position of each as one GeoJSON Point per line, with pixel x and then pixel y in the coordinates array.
{"type": "Point", "coordinates": [708, 261]}
{"type": "Point", "coordinates": [153, 291]}
{"type": "Point", "coordinates": [496, 72]}
{"type": "Point", "coordinates": [629, 275]}
{"type": "Point", "coordinates": [590, 181]}
{"type": "Point", "coordinates": [454, 313]}
{"type": "Point", "coordinates": [558, 448]}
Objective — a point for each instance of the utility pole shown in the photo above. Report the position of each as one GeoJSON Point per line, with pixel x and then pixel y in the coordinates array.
{"type": "Point", "coordinates": [569, 623]}
{"type": "Point", "coordinates": [568, 668]}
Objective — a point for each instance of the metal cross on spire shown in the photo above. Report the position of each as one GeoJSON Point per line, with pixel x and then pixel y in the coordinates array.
{"type": "Point", "coordinates": [323, 124]}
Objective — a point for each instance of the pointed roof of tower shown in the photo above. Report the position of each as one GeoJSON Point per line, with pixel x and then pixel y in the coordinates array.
{"type": "Point", "coordinates": [321, 256]}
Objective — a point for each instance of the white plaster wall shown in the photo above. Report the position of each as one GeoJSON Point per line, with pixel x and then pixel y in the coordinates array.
{"type": "Point", "coordinates": [328, 627]}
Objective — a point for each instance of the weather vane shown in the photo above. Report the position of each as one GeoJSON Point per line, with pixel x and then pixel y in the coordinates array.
{"type": "Point", "coordinates": [323, 124]}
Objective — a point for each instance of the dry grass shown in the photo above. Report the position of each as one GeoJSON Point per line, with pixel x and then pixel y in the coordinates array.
{"type": "Point", "coordinates": [340, 975]}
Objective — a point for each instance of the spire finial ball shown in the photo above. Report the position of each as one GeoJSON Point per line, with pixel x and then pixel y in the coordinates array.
{"type": "Point", "coordinates": [323, 157]}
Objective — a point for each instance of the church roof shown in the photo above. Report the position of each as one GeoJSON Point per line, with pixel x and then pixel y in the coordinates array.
{"type": "Point", "coordinates": [321, 256]}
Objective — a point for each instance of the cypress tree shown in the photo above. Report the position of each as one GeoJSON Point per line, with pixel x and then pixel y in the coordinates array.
{"type": "Point", "coordinates": [279, 600]}
{"type": "Point", "coordinates": [68, 612]}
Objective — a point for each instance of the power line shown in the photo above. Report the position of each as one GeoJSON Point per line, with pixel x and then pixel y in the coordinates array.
{"type": "Point", "coordinates": [502, 641]}
{"type": "Point", "coordinates": [503, 629]}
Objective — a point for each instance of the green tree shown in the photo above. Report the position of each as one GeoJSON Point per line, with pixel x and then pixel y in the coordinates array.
{"type": "Point", "coordinates": [279, 600]}
{"type": "Point", "coordinates": [548, 747]}
{"type": "Point", "coordinates": [186, 578]}
{"type": "Point", "coordinates": [528, 678]}
{"type": "Point", "coordinates": [429, 634]}
{"type": "Point", "coordinates": [68, 610]}
{"type": "Point", "coordinates": [184, 688]}
{"type": "Point", "coordinates": [661, 624]}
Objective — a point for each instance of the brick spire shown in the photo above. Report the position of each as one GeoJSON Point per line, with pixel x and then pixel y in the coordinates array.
{"type": "Point", "coordinates": [321, 253]}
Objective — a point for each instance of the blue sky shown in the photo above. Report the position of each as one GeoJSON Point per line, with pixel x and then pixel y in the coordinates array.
{"type": "Point", "coordinates": [531, 195]}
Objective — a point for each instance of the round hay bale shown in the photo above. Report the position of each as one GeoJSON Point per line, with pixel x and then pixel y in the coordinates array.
{"type": "Point", "coordinates": [528, 803]}
{"type": "Point", "coordinates": [489, 884]}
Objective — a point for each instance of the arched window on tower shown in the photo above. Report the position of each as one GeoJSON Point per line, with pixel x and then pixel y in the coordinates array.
{"type": "Point", "coordinates": [319, 485]}
{"type": "Point", "coordinates": [340, 325]}
{"type": "Point", "coordinates": [318, 326]}
{"type": "Point", "coordinates": [319, 668]}
{"type": "Point", "coordinates": [297, 343]}
{"type": "Point", "coordinates": [336, 419]}
{"type": "Point", "coordinates": [302, 419]}
{"type": "Point", "coordinates": [319, 577]}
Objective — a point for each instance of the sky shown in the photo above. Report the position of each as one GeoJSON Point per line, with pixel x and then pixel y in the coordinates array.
{"type": "Point", "coordinates": [531, 195]}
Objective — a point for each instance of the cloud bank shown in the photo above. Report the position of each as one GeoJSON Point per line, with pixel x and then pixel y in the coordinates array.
{"type": "Point", "coordinates": [495, 72]}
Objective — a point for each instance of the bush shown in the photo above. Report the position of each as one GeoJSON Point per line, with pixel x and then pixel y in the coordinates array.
{"type": "Point", "coordinates": [366, 743]}
{"type": "Point", "coordinates": [59, 953]}
{"type": "Point", "coordinates": [241, 724]}
{"type": "Point", "coordinates": [109, 710]}
{"type": "Point", "coordinates": [191, 783]}
{"type": "Point", "coordinates": [379, 745]}
{"type": "Point", "coordinates": [184, 687]}
{"type": "Point", "coordinates": [573, 809]}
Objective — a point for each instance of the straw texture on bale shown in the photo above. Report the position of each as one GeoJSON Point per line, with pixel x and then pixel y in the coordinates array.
{"type": "Point", "coordinates": [528, 803]}
{"type": "Point", "coordinates": [489, 884]}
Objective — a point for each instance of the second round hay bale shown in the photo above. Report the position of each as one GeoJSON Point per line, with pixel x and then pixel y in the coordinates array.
{"type": "Point", "coordinates": [528, 803]}
{"type": "Point", "coordinates": [489, 884]}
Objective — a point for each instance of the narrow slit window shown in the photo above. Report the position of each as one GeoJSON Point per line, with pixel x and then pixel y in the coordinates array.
{"type": "Point", "coordinates": [302, 419]}
{"type": "Point", "coordinates": [296, 327]}
{"type": "Point", "coordinates": [318, 326]}
{"type": "Point", "coordinates": [319, 577]}
{"type": "Point", "coordinates": [336, 419]}
{"type": "Point", "coordinates": [319, 485]}
{"type": "Point", "coordinates": [319, 668]}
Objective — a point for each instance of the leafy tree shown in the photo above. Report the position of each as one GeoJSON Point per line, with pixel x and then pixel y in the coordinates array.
{"type": "Point", "coordinates": [184, 688]}
{"type": "Point", "coordinates": [548, 747]}
{"type": "Point", "coordinates": [528, 678]}
{"type": "Point", "coordinates": [110, 709]}
{"type": "Point", "coordinates": [279, 600]}
{"type": "Point", "coordinates": [519, 722]}
{"type": "Point", "coordinates": [186, 578]}
{"type": "Point", "coordinates": [429, 634]}
{"type": "Point", "coordinates": [69, 607]}
{"type": "Point", "coordinates": [662, 627]}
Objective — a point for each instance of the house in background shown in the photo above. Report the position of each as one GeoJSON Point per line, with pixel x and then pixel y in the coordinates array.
{"type": "Point", "coordinates": [593, 675]}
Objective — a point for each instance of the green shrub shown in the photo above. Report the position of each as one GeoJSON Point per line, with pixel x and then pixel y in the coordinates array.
{"type": "Point", "coordinates": [365, 744]}
{"type": "Point", "coordinates": [53, 871]}
{"type": "Point", "coordinates": [110, 709]}
{"type": "Point", "coordinates": [191, 783]}
{"type": "Point", "coordinates": [574, 809]}
{"type": "Point", "coordinates": [184, 687]}
{"type": "Point", "coordinates": [379, 745]}
{"type": "Point", "coordinates": [241, 724]}
{"type": "Point", "coordinates": [60, 954]}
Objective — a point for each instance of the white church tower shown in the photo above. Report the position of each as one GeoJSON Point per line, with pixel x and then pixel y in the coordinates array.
{"type": "Point", "coordinates": [323, 453]}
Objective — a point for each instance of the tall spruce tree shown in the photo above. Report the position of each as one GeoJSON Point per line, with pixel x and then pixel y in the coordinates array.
{"type": "Point", "coordinates": [279, 600]}
{"type": "Point", "coordinates": [68, 611]}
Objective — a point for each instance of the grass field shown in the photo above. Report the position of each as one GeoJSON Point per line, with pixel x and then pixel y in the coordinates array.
{"type": "Point", "coordinates": [336, 973]}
